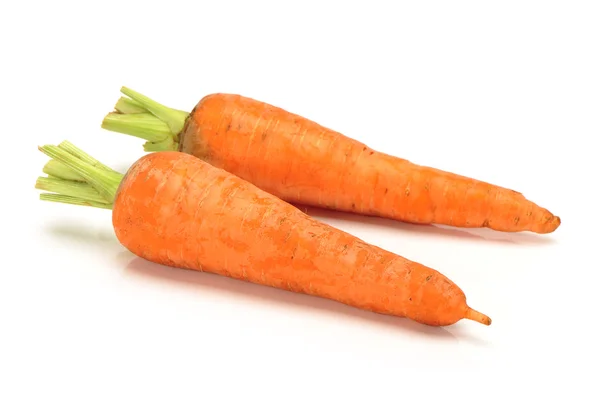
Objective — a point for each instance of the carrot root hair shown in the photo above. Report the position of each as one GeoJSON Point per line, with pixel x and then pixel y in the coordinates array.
{"type": "Point", "coordinates": [475, 315]}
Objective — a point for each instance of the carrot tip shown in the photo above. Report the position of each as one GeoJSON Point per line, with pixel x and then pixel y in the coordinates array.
{"type": "Point", "coordinates": [477, 316]}
{"type": "Point", "coordinates": [552, 223]}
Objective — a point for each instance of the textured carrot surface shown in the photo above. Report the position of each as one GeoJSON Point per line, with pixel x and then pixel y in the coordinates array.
{"type": "Point", "coordinates": [301, 161]}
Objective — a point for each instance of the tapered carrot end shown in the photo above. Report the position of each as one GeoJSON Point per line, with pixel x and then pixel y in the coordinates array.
{"type": "Point", "coordinates": [554, 223]}
{"type": "Point", "coordinates": [477, 316]}
{"type": "Point", "coordinates": [548, 224]}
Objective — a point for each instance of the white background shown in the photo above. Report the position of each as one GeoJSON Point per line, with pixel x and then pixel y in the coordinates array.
{"type": "Point", "coordinates": [507, 92]}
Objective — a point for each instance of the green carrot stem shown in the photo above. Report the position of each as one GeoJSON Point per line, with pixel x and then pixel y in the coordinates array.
{"type": "Point", "coordinates": [105, 182]}
{"type": "Point", "coordinates": [81, 190]}
{"type": "Point", "coordinates": [59, 198]}
{"type": "Point", "coordinates": [59, 170]}
{"type": "Point", "coordinates": [82, 155]}
{"type": "Point", "coordinates": [165, 145]}
{"type": "Point", "coordinates": [138, 115]}
{"type": "Point", "coordinates": [175, 119]}
{"type": "Point", "coordinates": [125, 105]}
{"type": "Point", "coordinates": [145, 126]}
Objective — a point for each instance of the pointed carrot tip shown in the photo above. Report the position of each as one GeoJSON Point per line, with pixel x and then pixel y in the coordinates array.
{"type": "Point", "coordinates": [478, 317]}
{"type": "Point", "coordinates": [552, 224]}
{"type": "Point", "coordinates": [549, 224]}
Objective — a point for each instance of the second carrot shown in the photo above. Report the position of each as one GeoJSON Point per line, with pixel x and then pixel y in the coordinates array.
{"type": "Point", "coordinates": [305, 163]}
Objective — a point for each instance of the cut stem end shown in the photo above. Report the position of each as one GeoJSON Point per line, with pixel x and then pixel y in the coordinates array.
{"type": "Point", "coordinates": [95, 184]}
{"type": "Point", "coordinates": [138, 115]}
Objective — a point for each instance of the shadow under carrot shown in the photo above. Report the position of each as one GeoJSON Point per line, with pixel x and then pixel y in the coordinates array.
{"type": "Point", "coordinates": [133, 265]}
{"type": "Point", "coordinates": [233, 287]}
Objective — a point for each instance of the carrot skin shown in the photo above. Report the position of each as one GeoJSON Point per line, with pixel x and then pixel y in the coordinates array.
{"type": "Point", "coordinates": [303, 162]}
{"type": "Point", "coordinates": [177, 210]}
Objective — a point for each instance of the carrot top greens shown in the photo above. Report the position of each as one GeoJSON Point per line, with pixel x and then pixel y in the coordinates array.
{"type": "Point", "coordinates": [140, 116]}
{"type": "Point", "coordinates": [75, 177]}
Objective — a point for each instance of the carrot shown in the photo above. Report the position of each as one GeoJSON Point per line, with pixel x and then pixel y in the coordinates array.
{"type": "Point", "coordinates": [174, 209]}
{"type": "Point", "coordinates": [305, 163]}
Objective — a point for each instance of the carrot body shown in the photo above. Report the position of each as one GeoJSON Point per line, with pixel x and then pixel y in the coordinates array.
{"type": "Point", "coordinates": [175, 209]}
{"type": "Point", "coordinates": [303, 162]}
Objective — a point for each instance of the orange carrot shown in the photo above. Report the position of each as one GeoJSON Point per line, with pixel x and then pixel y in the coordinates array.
{"type": "Point", "coordinates": [305, 163]}
{"type": "Point", "coordinates": [175, 209]}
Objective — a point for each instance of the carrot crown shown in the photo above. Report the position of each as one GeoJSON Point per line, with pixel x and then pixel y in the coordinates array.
{"type": "Point", "coordinates": [138, 115]}
{"type": "Point", "coordinates": [75, 177]}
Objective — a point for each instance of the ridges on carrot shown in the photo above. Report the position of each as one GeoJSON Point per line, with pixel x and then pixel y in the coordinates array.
{"type": "Point", "coordinates": [175, 209]}
{"type": "Point", "coordinates": [303, 162]}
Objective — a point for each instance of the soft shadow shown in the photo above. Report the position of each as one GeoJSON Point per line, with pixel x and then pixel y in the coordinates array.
{"type": "Point", "coordinates": [209, 281]}
{"type": "Point", "coordinates": [460, 333]}
{"type": "Point", "coordinates": [431, 230]}
{"type": "Point", "coordinates": [101, 238]}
